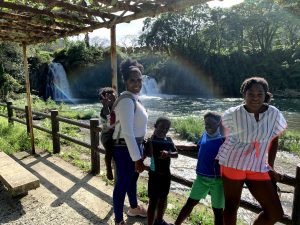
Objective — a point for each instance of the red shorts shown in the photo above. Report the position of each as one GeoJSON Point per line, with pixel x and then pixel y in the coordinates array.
{"type": "Point", "coordinates": [236, 174]}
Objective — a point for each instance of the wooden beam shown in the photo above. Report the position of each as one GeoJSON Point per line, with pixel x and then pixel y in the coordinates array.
{"type": "Point", "coordinates": [296, 201]}
{"type": "Point", "coordinates": [34, 31]}
{"type": "Point", "coordinates": [31, 21]}
{"type": "Point", "coordinates": [51, 15]}
{"type": "Point", "coordinates": [19, 25]}
{"type": "Point", "coordinates": [119, 6]}
{"type": "Point", "coordinates": [113, 58]}
{"type": "Point", "coordinates": [77, 8]}
{"type": "Point", "coordinates": [177, 5]}
{"type": "Point", "coordinates": [78, 25]}
{"type": "Point", "coordinates": [28, 96]}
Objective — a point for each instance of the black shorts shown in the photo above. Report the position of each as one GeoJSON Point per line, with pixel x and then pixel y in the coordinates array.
{"type": "Point", "coordinates": [158, 185]}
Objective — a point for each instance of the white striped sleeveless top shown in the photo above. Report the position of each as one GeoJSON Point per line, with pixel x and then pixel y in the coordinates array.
{"type": "Point", "coordinates": [248, 141]}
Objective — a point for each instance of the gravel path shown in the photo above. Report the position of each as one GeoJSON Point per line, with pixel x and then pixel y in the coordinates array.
{"type": "Point", "coordinates": [66, 196]}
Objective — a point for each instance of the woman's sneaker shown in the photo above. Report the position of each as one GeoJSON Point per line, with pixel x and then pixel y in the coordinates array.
{"type": "Point", "coordinates": [138, 211]}
{"type": "Point", "coordinates": [121, 223]}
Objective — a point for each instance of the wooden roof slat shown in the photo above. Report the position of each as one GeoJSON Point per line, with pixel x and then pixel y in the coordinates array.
{"type": "Point", "coordinates": [30, 20]}
{"type": "Point", "coordinates": [35, 21]}
{"type": "Point", "coordinates": [176, 5]}
{"type": "Point", "coordinates": [77, 8]}
{"type": "Point", "coordinates": [51, 15]}
{"type": "Point", "coordinates": [21, 31]}
{"type": "Point", "coordinates": [24, 8]}
{"type": "Point", "coordinates": [30, 27]}
{"type": "Point", "coordinates": [119, 6]}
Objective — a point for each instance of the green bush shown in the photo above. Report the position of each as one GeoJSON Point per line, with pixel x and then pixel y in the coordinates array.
{"type": "Point", "coordinates": [78, 53]}
{"type": "Point", "coordinates": [290, 142]}
{"type": "Point", "coordinates": [8, 85]}
{"type": "Point", "coordinates": [39, 105]}
{"type": "Point", "coordinates": [13, 138]}
{"type": "Point", "coordinates": [189, 128]}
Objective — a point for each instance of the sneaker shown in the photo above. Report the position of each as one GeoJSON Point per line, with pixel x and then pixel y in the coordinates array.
{"type": "Point", "coordinates": [138, 211]}
{"type": "Point", "coordinates": [121, 223]}
{"type": "Point", "coordinates": [162, 222]}
{"type": "Point", "coordinates": [109, 174]}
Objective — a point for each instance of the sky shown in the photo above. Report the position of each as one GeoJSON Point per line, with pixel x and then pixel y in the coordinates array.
{"type": "Point", "coordinates": [134, 28]}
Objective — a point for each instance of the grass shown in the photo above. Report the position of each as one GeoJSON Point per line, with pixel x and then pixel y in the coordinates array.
{"type": "Point", "coordinates": [290, 142]}
{"type": "Point", "coordinates": [39, 105]}
{"type": "Point", "coordinates": [14, 138]}
{"type": "Point", "coordinates": [201, 214]}
{"type": "Point", "coordinates": [189, 128]}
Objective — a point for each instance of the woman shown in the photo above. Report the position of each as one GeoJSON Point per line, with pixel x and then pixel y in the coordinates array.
{"type": "Point", "coordinates": [249, 151]}
{"type": "Point", "coordinates": [129, 133]}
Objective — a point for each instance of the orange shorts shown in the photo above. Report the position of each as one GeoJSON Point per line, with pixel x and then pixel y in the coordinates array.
{"type": "Point", "coordinates": [236, 174]}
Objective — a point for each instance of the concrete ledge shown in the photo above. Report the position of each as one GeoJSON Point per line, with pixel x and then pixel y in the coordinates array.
{"type": "Point", "coordinates": [16, 179]}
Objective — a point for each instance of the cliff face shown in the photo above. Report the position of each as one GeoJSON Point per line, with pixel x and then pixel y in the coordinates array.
{"type": "Point", "coordinates": [38, 76]}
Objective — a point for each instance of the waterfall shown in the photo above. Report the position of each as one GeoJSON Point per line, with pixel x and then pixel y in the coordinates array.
{"type": "Point", "coordinates": [150, 86]}
{"type": "Point", "coordinates": [57, 86]}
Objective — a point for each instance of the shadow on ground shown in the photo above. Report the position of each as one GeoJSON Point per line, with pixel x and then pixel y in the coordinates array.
{"type": "Point", "coordinates": [66, 196]}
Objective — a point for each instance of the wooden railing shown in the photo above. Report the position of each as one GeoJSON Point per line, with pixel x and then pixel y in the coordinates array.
{"type": "Point", "coordinates": [94, 128]}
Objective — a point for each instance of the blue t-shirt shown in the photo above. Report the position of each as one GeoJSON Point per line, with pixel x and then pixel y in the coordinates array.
{"type": "Point", "coordinates": [207, 165]}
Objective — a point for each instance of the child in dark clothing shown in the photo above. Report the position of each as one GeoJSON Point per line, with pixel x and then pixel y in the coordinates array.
{"type": "Point", "coordinates": [161, 148]}
{"type": "Point", "coordinates": [107, 97]}
{"type": "Point", "coordinates": [208, 171]}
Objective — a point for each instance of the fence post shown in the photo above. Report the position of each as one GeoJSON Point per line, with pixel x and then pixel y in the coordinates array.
{"type": "Point", "coordinates": [55, 130]}
{"type": "Point", "coordinates": [10, 112]}
{"type": "Point", "coordinates": [95, 156]}
{"type": "Point", "coordinates": [296, 202]}
{"type": "Point", "coordinates": [27, 118]}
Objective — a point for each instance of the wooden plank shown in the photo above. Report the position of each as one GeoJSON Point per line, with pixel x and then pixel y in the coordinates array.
{"type": "Point", "coordinates": [28, 97]}
{"type": "Point", "coordinates": [17, 179]}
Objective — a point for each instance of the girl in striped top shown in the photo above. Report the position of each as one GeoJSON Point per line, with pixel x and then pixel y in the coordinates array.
{"type": "Point", "coordinates": [249, 151]}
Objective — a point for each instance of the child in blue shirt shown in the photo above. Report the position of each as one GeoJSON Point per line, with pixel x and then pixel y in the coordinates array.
{"type": "Point", "coordinates": [161, 149]}
{"type": "Point", "coordinates": [208, 171]}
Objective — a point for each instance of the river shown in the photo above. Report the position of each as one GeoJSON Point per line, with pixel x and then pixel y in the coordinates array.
{"type": "Point", "coordinates": [175, 106]}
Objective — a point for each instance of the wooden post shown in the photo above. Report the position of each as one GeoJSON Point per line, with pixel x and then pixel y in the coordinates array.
{"type": "Point", "coordinates": [95, 157]}
{"type": "Point", "coordinates": [10, 112]}
{"type": "Point", "coordinates": [296, 202]}
{"type": "Point", "coordinates": [113, 58]}
{"type": "Point", "coordinates": [28, 96]}
{"type": "Point", "coordinates": [55, 130]}
{"type": "Point", "coordinates": [27, 118]}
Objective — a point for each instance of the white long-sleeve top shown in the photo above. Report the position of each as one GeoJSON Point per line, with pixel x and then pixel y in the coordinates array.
{"type": "Point", "coordinates": [133, 123]}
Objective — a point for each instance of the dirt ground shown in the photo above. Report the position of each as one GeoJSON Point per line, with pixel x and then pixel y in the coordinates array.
{"type": "Point", "coordinates": [67, 196]}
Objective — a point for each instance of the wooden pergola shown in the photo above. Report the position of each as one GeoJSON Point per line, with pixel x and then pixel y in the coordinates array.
{"type": "Point", "coordinates": [36, 21]}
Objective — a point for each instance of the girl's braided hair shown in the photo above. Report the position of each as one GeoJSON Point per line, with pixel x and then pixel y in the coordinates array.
{"type": "Point", "coordinates": [247, 84]}
{"type": "Point", "coordinates": [128, 66]}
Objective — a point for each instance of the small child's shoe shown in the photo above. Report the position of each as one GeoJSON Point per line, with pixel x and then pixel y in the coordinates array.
{"type": "Point", "coordinates": [162, 222]}
{"type": "Point", "coordinates": [109, 174]}
{"type": "Point", "coordinates": [138, 211]}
